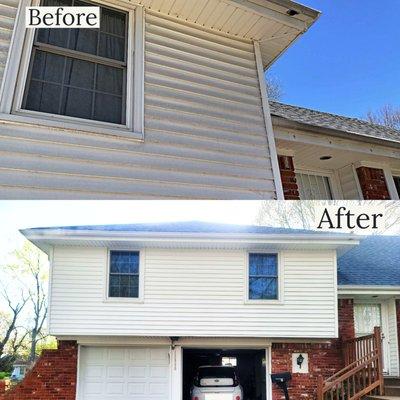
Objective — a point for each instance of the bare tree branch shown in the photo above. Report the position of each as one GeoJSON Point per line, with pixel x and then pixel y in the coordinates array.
{"type": "Point", "coordinates": [387, 115]}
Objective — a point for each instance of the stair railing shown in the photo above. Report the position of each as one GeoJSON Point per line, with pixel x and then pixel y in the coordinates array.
{"type": "Point", "coordinates": [362, 374]}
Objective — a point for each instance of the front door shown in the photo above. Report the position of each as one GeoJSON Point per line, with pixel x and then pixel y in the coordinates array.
{"type": "Point", "coordinates": [366, 317]}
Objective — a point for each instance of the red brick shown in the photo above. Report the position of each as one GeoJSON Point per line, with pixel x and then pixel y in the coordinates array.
{"type": "Point", "coordinates": [53, 376]}
{"type": "Point", "coordinates": [324, 358]}
{"type": "Point", "coordinates": [373, 183]}
{"type": "Point", "coordinates": [288, 178]}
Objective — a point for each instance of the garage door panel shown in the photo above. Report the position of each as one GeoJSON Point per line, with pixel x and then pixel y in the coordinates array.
{"type": "Point", "coordinates": [124, 373]}
{"type": "Point", "coordinates": [137, 372]}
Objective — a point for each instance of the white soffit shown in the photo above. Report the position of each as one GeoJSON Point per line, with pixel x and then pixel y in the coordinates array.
{"type": "Point", "coordinates": [266, 21]}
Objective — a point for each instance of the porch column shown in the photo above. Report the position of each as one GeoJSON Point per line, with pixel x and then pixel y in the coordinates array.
{"type": "Point", "coordinates": [398, 323]}
{"type": "Point", "coordinates": [346, 319]}
{"type": "Point", "coordinates": [288, 177]}
{"type": "Point", "coordinates": [373, 183]}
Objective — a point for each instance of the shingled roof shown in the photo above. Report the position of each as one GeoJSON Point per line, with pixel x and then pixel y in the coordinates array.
{"type": "Point", "coordinates": [374, 262]}
{"type": "Point", "coordinates": [321, 119]}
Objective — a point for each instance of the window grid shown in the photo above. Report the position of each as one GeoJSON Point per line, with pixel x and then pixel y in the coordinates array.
{"type": "Point", "coordinates": [314, 186]}
{"type": "Point", "coordinates": [270, 281]}
{"type": "Point", "coordinates": [124, 274]}
{"type": "Point", "coordinates": [99, 99]}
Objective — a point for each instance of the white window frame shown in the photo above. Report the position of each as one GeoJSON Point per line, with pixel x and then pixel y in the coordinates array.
{"type": "Point", "coordinates": [142, 260]}
{"type": "Point", "coordinates": [16, 72]}
{"type": "Point", "coordinates": [280, 298]}
{"type": "Point", "coordinates": [333, 180]}
{"type": "Point", "coordinates": [395, 195]}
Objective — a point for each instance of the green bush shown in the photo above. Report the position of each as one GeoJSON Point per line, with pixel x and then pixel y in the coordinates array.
{"type": "Point", "coordinates": [4, 374]}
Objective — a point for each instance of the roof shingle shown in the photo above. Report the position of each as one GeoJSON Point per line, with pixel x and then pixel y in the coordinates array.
{"type": "Point", "coordinates": [331, 121]}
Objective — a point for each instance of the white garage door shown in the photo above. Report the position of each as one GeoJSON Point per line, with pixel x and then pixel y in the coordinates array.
{"type": "Point", "coordinates": [108, 373]}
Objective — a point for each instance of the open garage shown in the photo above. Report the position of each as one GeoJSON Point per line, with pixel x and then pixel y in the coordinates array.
{"type": "Point", "coordinates": [249, 365]}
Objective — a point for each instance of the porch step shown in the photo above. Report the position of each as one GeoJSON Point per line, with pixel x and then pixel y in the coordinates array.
{"type": "Point", "coordinates": [392, 390]}
{"type": "Point", "coordinates": [392, 381]}
{"type": "Point", "coordinates": [382, 398]}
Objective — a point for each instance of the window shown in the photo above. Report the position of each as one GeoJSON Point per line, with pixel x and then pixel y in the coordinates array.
{"type": "Point", "coordinates": [366, 317]}
{"type": "Point", "coordinates": [80, 72]}
{"type": "Point", "coordinates": [263, 276]}
{"type": "Point", "coordinates": [314, 187]}
{"type": "Point", "coordinates": [229, 361]}
{"type": "Point", "coordinates": [397, 184]}
{"type": "Point", "coordinates": [124, 274]}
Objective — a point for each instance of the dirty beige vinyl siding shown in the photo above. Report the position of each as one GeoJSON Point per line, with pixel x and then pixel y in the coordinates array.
{"type": "Point", "coordinates": [348, 183]}
{"type": "Point", "coordinates": [192, 293]}
{"type": "Point", "coordinates": [204, 132]}
{"type": "Point", "coordinates": [8, 11]}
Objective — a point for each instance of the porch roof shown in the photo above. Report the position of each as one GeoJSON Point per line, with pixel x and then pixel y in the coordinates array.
{"type": "Point", "coordinates": [374, 262]}
{"type": "Point", "coordinates": [335, 124]}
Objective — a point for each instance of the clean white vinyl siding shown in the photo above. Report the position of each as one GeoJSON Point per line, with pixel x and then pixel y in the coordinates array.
{"type": "Point", "coordinates": [193, 293]}
{"type": "Point", "coordinates": [393, 338]}
{"type": "Point", "coordinates": [204, 134]}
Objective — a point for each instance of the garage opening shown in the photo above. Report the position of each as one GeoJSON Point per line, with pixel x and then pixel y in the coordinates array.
{"type": "Point", "coordinates": [249, 366]}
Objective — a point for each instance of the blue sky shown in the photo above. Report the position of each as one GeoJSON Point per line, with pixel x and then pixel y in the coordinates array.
{"type": "Point", "coordinates": [348, 62]}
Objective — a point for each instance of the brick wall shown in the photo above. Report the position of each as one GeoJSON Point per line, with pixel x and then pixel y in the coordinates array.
{"type": "Point", "coordinates": [288, 177]}
{"type": "Point", "coordinates": [324, 358]}
{"type": "Point", "coordinates": [52, 378]}
{"type": "Point", "coordinates": [346, 319]}
{"type": "Point", "coordinates": [373, 183]}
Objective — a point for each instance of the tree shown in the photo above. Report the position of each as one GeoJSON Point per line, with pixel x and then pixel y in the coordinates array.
{"type": "Point", "coordinates": [387, 116]}
{"type": "Point", "coordinates": [29, 269]}
{"type": "Point", "coordinates": [274, 88]}
{"type": "Point", "coordinates": [9, 320]}
{"type": "Point", "coordinates": [301, 214]}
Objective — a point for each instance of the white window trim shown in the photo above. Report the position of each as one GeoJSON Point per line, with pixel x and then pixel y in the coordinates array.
{"type": "Point", "coordinates": [333, 180]}
{"type": "Point", "coordinates": [142, 261]}
{"type": "Point", "coordinates": [280, 299]}
{"type": "Point", "coordinates": [395, 173]}
{"type": "Point", "coordinates": [15, 75]}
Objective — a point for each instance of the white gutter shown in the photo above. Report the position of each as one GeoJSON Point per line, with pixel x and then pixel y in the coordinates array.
{"type": "Point", "coordinates": [368, 289]}
{"type": "Point", "coordinates": [49, 234]}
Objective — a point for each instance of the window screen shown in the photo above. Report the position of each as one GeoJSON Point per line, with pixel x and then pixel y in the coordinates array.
{"type": "Point", "coordinates": [124, 274]}
{"type": "Point", "coordinates": [314, 187]}
{"type": "Point", "coordinates": [263, 276]}
{"type": "Point", "coordinates": [80, 72]}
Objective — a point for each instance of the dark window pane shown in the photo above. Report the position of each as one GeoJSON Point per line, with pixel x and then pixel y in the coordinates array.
{"type": "Point", "coordinates": [47, 66]}
{"type": "Point", "coordinates": [109, 79]}
{"type": "Point", "coordinates": [79, 73]}
{"type": "Point", "coordinates": [104, 98]}
{"type": "Point", "coordinates": [112, 47]}
{"type": "Point", "coordinates": [113, 22]}
{"type": "Point", "coordinates": [263, 264]}
{"type": "Point", "coordinates": [397, 183]}
{"type": "Point", "coordinates": [263, 288]}
{"type": "Point", "coordinates": [124, 262]}
{"type": "Point", "coordinates": [108, 108]}
{"type": "Point", "coordinates": [77, 103]}
{"type": "Point", "coordinates": [43, 97]}
{"type": "Point", "coordinates": [124, 274]}
{"type": "Point", "coordinates": [55, 37]}
{"type": "Point", "coordinates": [84, 40]}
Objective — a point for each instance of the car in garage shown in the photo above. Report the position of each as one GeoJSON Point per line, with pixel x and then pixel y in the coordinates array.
{"type": "Point", "coordinates": [216, 383]}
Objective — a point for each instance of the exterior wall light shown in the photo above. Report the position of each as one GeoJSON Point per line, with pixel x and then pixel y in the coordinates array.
{"type": "Point", "coordinates": [300, 360]}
